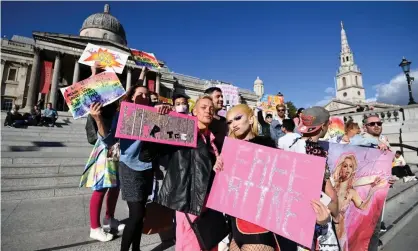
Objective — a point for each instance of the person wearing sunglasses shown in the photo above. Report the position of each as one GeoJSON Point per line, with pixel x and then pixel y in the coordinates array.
{"type": "Point", "coordinates": [372, 135]}
{"type": "Point", "coordinates": [276, 125]}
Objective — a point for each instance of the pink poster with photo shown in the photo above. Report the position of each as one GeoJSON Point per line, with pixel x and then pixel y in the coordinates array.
{"type": "Point", "coordinates": [270, 188]}
{"type": "Point", "coordinates": [139, 122]}
{"type": "Point", "coordinates": [360, 176]}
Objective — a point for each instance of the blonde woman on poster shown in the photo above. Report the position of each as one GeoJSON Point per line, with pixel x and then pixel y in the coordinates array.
{"type": "Point", "coordinates": [345, 183]}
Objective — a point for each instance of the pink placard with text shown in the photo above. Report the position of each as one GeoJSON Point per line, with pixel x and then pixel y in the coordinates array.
{"type": "Point", "coordinates": [139, 122]}
{"type": "Point", "coordinates": [270, 188]}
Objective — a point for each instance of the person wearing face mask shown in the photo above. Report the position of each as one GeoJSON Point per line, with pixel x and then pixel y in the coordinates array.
{"type": "Point", "coordinates": [154, 98]}
{"type": "Point", "coordinates": [135, 167]}
{"type": "Point", "coordinates": [181, 104]}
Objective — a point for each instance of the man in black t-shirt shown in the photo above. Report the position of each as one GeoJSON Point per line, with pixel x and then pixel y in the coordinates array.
{"type": "Point", "coordinates": [218, 127]}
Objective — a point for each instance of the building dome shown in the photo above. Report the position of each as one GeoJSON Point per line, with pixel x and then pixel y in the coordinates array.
{"type": "Point", "coordinates": [104, 25]}
{"type": "Point", "coordinates": [258, 81]}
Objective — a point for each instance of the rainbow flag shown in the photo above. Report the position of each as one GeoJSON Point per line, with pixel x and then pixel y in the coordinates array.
{"type": "Point", "coordinates": [104, 88]}
{"type": "Point", "coordinates": [146, 59]}
{"type": "Point", "coordinates": [336, 127]}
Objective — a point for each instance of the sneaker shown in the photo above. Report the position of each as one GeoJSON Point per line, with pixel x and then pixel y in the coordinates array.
{"type": "Point", "coordinates": [112, 224]}
{"type": "Point", "coordinates": [383, 227]}
{"type": "Point", "coordinates": [100, 235]}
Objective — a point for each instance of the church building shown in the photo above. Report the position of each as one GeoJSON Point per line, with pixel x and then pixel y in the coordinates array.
{"type": "Point", "coordinates": [36, 68]}
{"type": "Point", "coordinates": [350, 92]}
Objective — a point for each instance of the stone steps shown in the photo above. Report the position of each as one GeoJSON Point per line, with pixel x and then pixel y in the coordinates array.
{"type": "Point", "coordinates": [401, 205]}
{"type": "Point", "coordinates": [40, 169]}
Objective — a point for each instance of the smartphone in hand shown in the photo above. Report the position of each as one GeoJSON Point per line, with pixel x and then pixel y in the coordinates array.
{"type": "Point", "coordinates": [325, 199]}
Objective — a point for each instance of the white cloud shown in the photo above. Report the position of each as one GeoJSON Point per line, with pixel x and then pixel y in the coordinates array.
{"type": "Point", "coordinates": [330, 90]}
{"type": "Point", "coordinates": [396, 91]}
{"type": "Point", "coordinates": [327, 98]}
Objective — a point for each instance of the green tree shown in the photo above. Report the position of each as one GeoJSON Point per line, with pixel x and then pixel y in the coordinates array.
{"type": "Point", "coordinates": [291, 109]}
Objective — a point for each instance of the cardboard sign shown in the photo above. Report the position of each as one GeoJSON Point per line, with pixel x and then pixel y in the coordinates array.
{"type": "Point", "coordinates": [102, 88]}
{"type": "Point", "coordinates": [147, 59]}
{"type": "Point", "coordinates": [361, 174]}
{"type": "Point", "coordinates": [230, 93]}
{"type": "Point", "coordinates": [269, 102]}
{"type": "Point", "coordinates": [107, 59]}
{"type": "Point", "coordinates": [270, 188]}
{"type": "Point", "coordinates": [139, 122]}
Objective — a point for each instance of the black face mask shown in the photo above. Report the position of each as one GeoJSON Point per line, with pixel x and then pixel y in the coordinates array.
{"type": "Point", "coordinates": [153, 104]}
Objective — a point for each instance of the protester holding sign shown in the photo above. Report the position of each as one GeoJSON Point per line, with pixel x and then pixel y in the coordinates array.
{"type": "Point", "coordinates": [135, 170]}
{"type": "Point", "coordinates": [188, 181]}
{"type": "Point", "coordinates": [248, 236]}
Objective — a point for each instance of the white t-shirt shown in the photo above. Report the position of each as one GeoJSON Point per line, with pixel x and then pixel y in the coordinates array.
{"type": "Point", "coordinates": [298, 147]}
{"type": "Point", "coordinates": [400, 161]}
{"type": "Point", "coordinates": [287, 140]}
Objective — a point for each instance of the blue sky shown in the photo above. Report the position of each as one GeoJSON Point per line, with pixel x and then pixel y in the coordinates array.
{"type": "Point", "coordinates": [292, 46]}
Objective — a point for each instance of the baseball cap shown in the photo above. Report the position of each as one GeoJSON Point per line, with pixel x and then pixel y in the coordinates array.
{"type": "Point", "coordinates": [313, 118]}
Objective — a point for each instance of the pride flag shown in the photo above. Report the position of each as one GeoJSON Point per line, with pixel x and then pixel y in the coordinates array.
{"type": "Point", "coordinates": [146, 59]}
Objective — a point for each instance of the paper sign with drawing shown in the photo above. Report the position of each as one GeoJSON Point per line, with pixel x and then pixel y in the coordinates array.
{"type": "Point", "coordinates": [107, 59]}
{"type": "Point", "coordinates": [102, 88]}
{"type": "Point", "coordinates": [270, 188]}
{"type": "Point", "coordinates": [360, 176]}
{"type": "Point", "coordinates": [139, 122]}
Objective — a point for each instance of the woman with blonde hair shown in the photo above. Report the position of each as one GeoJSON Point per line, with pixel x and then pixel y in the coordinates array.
{"type": "Point", "coordinates": [247, 236]}
{"type": "Point", "coordinates": [344, 183]}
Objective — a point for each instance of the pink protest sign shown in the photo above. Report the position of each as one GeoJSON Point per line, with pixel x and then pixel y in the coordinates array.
{"type": "Point", "coordinates": [269, 187]}
{"type": "Point", "coordinates": [139, 122]}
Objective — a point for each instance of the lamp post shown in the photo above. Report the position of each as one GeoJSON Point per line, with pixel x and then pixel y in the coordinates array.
{"type": "Point", "coordinates": [406, 65]}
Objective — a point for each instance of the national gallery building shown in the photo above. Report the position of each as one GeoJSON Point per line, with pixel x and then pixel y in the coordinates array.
{"type": "Point", "coordinates": [23, 62]}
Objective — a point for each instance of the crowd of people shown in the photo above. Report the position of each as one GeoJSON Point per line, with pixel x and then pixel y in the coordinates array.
{"type": "Point", "coordinates": [128, 167]}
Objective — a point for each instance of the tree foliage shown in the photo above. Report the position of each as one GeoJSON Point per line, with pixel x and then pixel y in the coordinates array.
{"type": "Point", "coordinates": [291, 109]}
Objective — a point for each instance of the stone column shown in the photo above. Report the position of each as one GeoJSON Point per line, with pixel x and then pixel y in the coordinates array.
{"type": "Point", "coordinates": [33, 88]}
{"type": "Point", "coordinates": [76, 74]}
{"type": "Point", "coordinates": [55, 78]}
{"type": "Point", "coordinates": [145, 82]}
{"type": "Point", "coordinates": [128, 78]}
{"type": "Point", "coordinates": [157, 83]}
{"type": "Point", "coordinates": [3, 62]}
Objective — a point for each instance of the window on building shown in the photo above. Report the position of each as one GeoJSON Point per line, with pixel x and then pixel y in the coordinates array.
{"type": "Point", "coordinates": [105, 36]}
{"type": "Point", "coordinates": [359, 93]}
{"type": "Point", "coordinates": [345, 94]}
{"type": "Point", "coordinates": [346, 59]}
{"type": "Point", "coordinates": [12, 74]}
{"type": "Point", "coordinates": [344, 82]}
{"type": "Point", "coordinates": [6, 104]}
{"type": "Point", "coordinates": [343, 59]}
{"type": "Point", "coordinates": [356, 80]}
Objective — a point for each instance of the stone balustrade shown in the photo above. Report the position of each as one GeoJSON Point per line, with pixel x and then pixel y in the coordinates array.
{"type": "Point", "coordinates": [388, 116]}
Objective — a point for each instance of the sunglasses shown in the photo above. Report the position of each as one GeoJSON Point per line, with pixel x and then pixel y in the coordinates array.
{"type": "Point", "coordinates": [280, 110]}
{"type": "Point", "coordinates": [374, 124]}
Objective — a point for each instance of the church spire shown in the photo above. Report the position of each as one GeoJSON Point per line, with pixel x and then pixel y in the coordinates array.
{"type": "Point", "coordinates": [345, 48]}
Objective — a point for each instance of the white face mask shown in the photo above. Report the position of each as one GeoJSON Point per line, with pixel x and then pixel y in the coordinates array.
{"type": "Point", "coordinates": [181, 108]}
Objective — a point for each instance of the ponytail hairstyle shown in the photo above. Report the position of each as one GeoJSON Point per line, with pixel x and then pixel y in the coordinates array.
{"type": "Point", "coordinates": [250, 114]}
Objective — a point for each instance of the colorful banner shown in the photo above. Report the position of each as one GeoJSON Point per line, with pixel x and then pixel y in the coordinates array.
{"type": "Point", "coordinates": [230, 93]}
{"type": "Point", "coordinates": [147, 59]}
{"type": "Point", "coordinates": [108, 59]}
{"type": "Point", "coordinates": [102, 88]}
{"type": "Point", "coordinates": [360, 177]}
{"type": "Point", "coordinates": [335, 128]}
{"type": "Point", "coordinates": [270, 188]}
{"type": "Point", "coordinates": [268, 103]}
{"type": "Point", "coordinates": [46, 77]}
{"type": "Point", "coordinates": [138, 122]}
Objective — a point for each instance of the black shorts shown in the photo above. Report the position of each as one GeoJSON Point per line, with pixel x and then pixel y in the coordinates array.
{"type": "Point", "coordinates": [135, 185]}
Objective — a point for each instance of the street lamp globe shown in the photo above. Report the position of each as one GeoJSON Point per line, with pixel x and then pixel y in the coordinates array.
{"type": "Point", "coordinates": [405, 65]}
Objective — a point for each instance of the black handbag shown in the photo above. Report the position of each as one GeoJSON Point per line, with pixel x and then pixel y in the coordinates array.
{"type": "Point", "coordinates": [210, 228]}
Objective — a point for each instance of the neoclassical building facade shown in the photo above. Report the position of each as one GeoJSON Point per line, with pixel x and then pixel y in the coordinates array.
{"type": "Point", "coordinates": [23, 59]}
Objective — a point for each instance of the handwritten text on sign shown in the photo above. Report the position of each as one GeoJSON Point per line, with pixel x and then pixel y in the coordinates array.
{"type": "Point", "coordinates": [269, 187]}
{"type": "Point", "coordinates": [140, 122]}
